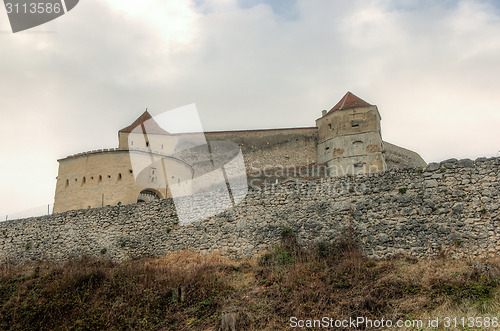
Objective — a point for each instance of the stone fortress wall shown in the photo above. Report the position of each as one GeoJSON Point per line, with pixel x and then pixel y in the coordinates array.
{"type": "Point", "coordinates": [346, 140]}
{"type": "Point", "coordinates": [292, 147]}
{"type": "Point", "coordinates": [297, 147]}
{"type": "Point", "coordinates": [105, 178]}
{"type": "Point", "coordinates": [451, 208]}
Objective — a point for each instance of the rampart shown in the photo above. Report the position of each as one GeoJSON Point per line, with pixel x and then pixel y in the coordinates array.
{"type": "Point", "coordinates": [450, 208]}
{"type": "Point", "coordinates": [274, 147]}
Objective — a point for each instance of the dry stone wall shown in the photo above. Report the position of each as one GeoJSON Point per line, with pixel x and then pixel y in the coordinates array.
{"type": "Point", "coordinates": [450, 208]}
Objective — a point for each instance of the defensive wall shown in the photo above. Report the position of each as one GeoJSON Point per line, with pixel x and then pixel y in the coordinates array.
{"type": "Point", "coordinates": [298, 147]}
{"type": "Point", "coordinates": [279, 147]}
{"type": "Point", "coordinates": [105, 178]}
{"type": "Point", "coordinates": [450, 208]}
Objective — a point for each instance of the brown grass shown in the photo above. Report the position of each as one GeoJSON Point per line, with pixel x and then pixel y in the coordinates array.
{"type": "Point", "coordinates": [184, 290]}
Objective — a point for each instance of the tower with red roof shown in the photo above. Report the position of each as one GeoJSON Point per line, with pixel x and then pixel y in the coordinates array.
{"type": "Point", "coordinates": [350, 139]}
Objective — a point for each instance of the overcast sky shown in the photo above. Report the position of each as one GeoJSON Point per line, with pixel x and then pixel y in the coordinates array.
{"type": "Point", "coordinates": [431, 67]}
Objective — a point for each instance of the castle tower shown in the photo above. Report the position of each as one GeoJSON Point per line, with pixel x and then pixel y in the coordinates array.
{"type": "Point", "coordinates": [109, 177]}
{"type": "Point", "coordinates": [349, 138]}
{"type": "Point", "coordinates": [146, 133]}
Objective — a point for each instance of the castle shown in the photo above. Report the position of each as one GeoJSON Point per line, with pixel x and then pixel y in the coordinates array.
{"type": "Point", "coordinates": [346, 140]}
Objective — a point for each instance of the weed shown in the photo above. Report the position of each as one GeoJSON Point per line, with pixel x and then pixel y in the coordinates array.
{"type": "Point", "coordinates": [323, 249]}
{"type": "Point", "coordinates": [186, 290]}
{"type": "Point", "coordinates": [413, 289]}
{"type": "Point", "coordinates": [402, 190]}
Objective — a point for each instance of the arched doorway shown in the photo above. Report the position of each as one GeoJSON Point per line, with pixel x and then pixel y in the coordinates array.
{"type": "Point", "coordinates": [148, 196]}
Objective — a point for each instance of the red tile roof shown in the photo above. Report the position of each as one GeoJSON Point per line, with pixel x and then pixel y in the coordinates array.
{"type": "Point", "coordinates": [349, 101]}
{"type": "Point", "coordinates": [148, 124]}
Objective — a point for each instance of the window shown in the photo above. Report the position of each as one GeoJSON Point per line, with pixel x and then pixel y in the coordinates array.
{"type": "Point", "coordinates": [329, 126]}
{"type": "Point", "coordinates": [119, 177]}
{"type": "Point", "coordinates": [109, 176]}
{"type": "Point", "coordinates": [84, 180]}
{"type": "Point", "coordinates": [358, 147]}
{"type": "Point", "coordinates": [153, 175]}
{"type": "Point", "coordinates": [67, 182]}
{"type": "Point", "coordinates": [327, 148]}
{"type": "Point", "coordinates": [131, 171]}
{"type": "Point", "coordinates": [354, 124]}
{"type": "Point", "coordinates": [358, 165]}
{"type": "Point", "coordinates": [100, 178]}
{"type": "Point", "coordinates": [147, 143]}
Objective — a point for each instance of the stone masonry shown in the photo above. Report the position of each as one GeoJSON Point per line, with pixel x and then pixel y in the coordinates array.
{"type": "Point", "coordinates": [451, 208]}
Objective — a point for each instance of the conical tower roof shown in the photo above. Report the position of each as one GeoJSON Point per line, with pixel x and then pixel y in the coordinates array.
{"type": "Point", "coordinates": [349, 101]}
{"type": "Point", "coordinates": [148, 124]}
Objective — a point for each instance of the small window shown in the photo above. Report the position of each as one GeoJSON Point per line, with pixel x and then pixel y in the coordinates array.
{"type": "Point", "coordinates": [84, 180]}
{"type": "Point", "coordinates": [327, 148]}
{"type": "Point", "coordinates": [76, 180]}
{"type": "Point", "coordinates": [355, 125]}
{"type": "Point", "coordinates": [109, 176]}
{"type": "Point", "coordinates": [358, 165]}
{"type": "Point", "coordinates": [119, 177]}
{"type": "Point", "coordinates": [131, 171]}
{"type": "Point", "coordinates": [329, 126]}
{"type": "Point", "coordinates": [92, 178]}
{"type": "Point", "coordinates": [100, 178]}
{"type": "Point", "coordinates": [147, 143]}
{"type": "Point", "coordinates": [67, 182]}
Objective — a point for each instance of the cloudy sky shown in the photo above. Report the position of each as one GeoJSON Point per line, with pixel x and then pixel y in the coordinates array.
{"type": "Point", "coordinates": [431, 67]}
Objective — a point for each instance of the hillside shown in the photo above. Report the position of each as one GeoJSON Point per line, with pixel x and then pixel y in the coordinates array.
{"type": "Point", "coordinates": [187, 291]}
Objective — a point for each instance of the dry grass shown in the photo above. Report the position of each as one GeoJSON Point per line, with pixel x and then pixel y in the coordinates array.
{"type": "Point", "coordinates": [184, 290]}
